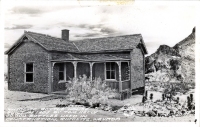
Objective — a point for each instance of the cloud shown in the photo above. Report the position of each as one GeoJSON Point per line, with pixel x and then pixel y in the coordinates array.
{"type": "Point", "coordinates": [37, 10]}
{"type": "Point", "coordinates": [88, 35]}
{"type": "Point", "coordinates": [19, 27]}
{"type": "Point", "coordinates": [88, 26]}
{"type": "Point", "coordinates": [7, 45]}
{"type": "Point", "coordinates": [27, 10]}
{"type": "Point", "coordinates": [107, 30]}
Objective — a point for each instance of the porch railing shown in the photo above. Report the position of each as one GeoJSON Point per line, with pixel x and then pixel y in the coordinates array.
{"type": "Point", "coordinates": [126, 85]}
{"type": "Point", "coordinates": [115, 84]}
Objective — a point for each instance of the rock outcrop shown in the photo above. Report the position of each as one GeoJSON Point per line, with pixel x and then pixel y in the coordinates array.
{"type": "Point", "coordinates": [173, 63]}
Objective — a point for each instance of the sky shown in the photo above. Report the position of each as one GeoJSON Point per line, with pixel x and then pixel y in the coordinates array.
{"type": "Point", "coordinates": [159, 22]}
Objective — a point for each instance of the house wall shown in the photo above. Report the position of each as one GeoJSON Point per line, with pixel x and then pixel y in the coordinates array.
{"type": "Point", "coordinates": [137, 69]}
{"type": "Point", "coordinates": [28, 52]}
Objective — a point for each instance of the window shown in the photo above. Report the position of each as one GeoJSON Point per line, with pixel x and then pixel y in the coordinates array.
{"type": "Point", "coordinates": [29, 72]}
{"type": "Point", "coordinates": [61, 71]}
{"type": "Point", "coordinates": [110, 70]}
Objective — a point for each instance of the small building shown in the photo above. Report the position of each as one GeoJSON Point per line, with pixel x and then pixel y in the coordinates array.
{"type": "Point", "coordinates": [41, 63]}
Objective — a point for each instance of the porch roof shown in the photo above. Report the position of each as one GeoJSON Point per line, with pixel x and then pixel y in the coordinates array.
{"type": "Point", "coordinates": [93, 57]}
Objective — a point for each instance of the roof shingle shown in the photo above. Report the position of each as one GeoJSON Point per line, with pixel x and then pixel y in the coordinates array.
{"type": "Point", "coordinates": [52, 43]}
{"type": "Point", "coordinates": [108, 43]}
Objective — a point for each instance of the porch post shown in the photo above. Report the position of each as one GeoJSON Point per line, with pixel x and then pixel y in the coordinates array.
{"type": "Point", "coordinates": [51, 65]}
{"type": "Point", "coordinates": [91, 65]}
{"type": "Point", "coordinates": [75, 66]}
{"type": "Point", "coordinates": [120, 76]}
{"type": "Point", "coordinates": [52, 71]}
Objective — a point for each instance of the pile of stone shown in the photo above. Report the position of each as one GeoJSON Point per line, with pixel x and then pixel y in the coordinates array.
{"type": "Point", "coordinates": [159, 109]}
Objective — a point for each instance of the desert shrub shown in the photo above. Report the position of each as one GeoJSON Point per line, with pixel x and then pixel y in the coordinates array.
{"type": "Point", "coordinates": [177, 100]}
{"type": "Point", "coordinates": [163, 97]}
{"type": "Point", "coordinates": [192, 85]}
{"type": "Point", "coordinates": [146, 94]}
{"type": "Point", "coordinates": [173, 88]}
{"type": "Point", "coordinates": [144, 98]}
{"type": "Point", "coordinates": [185, 87]}
{"type": "Point", "coordinates": [188, 102]}
{"type": "Point", "coordinates": [151, 96]}
{"type": "Point", "coordinates": [84, 90]}
{"type": "Point", "coordinates": [191, 97]}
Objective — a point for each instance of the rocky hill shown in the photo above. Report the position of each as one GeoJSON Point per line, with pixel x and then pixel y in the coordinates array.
{"type": "Point", "coordinates": [173, 63]}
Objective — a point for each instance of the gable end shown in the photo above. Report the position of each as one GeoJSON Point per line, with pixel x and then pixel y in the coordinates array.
{"type": "Point", "coordinates": [23, 39]}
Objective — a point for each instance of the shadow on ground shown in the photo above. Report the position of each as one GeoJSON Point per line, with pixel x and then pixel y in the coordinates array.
{"type": "Point", "coordinates": [47, 98]}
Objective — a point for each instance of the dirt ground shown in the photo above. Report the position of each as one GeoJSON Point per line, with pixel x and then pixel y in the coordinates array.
{"type": "Point", "coordinates": [38, 104]}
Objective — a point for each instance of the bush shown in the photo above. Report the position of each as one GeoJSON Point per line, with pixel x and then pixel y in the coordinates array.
{"type": "Point", "coordinates": [189, 102]}
{"type": "Point", "coordinates": [177, 100]}
{"type": "Point", "coordinates": [163, 97]}
{"type": "Point", "coordinates": [144, 98]}
{"type": "Point", "coordinates": [151, 96]}
{"type": "Point", "coordinates": [87, 91]}
{"type": "Point", "coordinates": [191, 97]}
{"type": "Point", "coordinates": [146, 94]}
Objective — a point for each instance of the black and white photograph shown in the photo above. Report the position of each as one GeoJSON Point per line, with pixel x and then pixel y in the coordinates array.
{"type": "Point", "coordinates": [125, 61]}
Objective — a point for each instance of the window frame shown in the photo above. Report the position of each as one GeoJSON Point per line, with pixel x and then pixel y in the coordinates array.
{"type": "Point", "coordinates": [115, 71]}
{"type": "Point", "coordinates": [64, 73]}
{"type": "Point", "coordinates": [25, 72]}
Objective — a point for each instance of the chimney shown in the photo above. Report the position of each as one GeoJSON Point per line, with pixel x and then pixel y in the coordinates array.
{"type": "Point", "coordinates": [65, 35]}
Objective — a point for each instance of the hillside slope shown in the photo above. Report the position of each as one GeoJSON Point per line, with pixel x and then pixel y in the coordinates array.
{"type": "Point", "coordinates": [173, 63]}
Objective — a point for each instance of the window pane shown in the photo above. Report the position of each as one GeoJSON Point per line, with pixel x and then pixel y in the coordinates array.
{"type": "Point", "coordinates": [61, 76]}
{"type": "Point", "coordinates": [112, 74]}
{"type": "Point", "coordinates": [29, 67]}
{"type": "Point", "coordinates": [107, 74]}
{"type": "Point", "coordinates": [29, 77]}
{"type": "Point", "coordinates": [61, 67]}
{"type": "Point", "coordinates": [107, 66]}
{"type": "Point", "coordinates": [112, 66]}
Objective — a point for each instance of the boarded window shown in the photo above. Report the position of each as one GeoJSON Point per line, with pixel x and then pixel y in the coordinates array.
{"type": "Point", "coordinates": [29, 72]}
{"type": "Point", "coordinates": [61, 71]}
{"type": "Point", "coordinates": [110, 70]}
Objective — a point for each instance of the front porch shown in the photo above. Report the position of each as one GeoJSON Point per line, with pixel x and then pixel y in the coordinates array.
{"type": "Point", "coordinates": [116, 73]}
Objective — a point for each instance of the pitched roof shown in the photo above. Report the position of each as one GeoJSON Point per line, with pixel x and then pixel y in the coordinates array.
{"type": "Point", "coordinates": [47, 42]}
{"type": "Point", "coordinates": [109, 43]}
{"type": "Point", "coordinates": [52, 43]}
{"type": "Point", "coordinates": [87, 45]}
